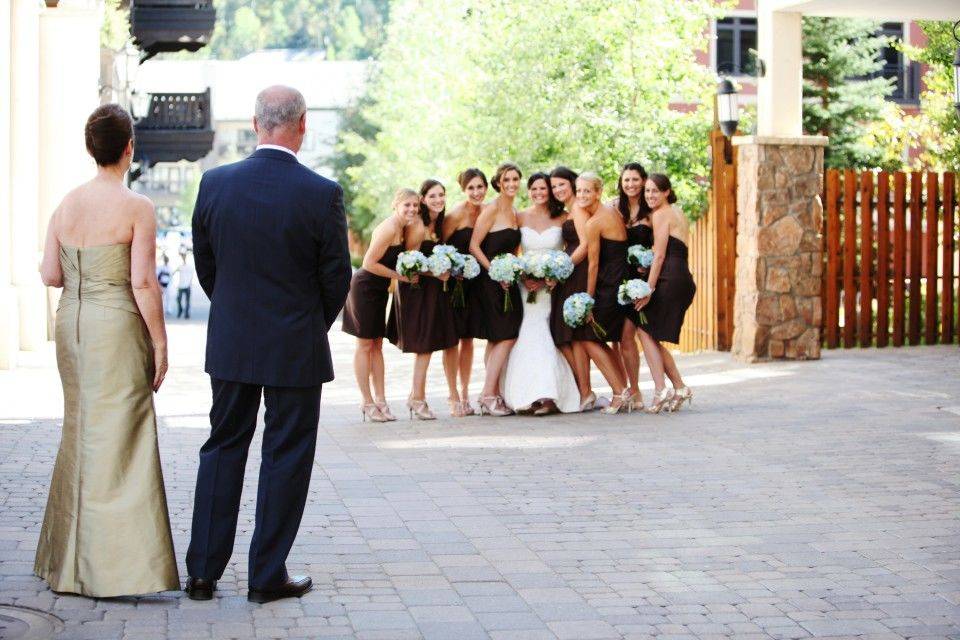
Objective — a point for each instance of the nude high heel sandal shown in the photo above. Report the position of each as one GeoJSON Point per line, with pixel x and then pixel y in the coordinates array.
{"type": "Point", "coordinates": [385, 410]}
{"type": "Point", "coordinates": [420, 410]}
{"type": "Point", "coordinates": [371, 412]}
{"type": "Point", "coordinates": [681, 395]}
{"type": "Point", "coordinates": [661, 401]}
{"type": "Point", "coordinates": [625, 404]}
{"type": "Point", "coordinates": [491, 405]}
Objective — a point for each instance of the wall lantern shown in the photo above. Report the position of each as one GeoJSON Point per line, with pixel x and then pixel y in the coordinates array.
{"type": "Point", "coordinates": [728, 107]}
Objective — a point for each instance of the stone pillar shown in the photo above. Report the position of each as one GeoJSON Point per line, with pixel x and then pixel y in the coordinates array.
{"type": "Point", "coordinates": [9, 310]}
{"type": "Point", "coordinates": [25, 172]}
{"type": "Point", "coordinates": [777, 309]}
{"type": "Point", "coordinates": [69, 91]}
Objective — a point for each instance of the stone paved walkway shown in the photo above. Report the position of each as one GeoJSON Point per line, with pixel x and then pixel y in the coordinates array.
{"type": "Point", "coordinates": [792, 500]}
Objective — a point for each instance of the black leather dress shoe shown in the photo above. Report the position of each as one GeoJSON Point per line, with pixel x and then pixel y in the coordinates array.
{"type": "Point", "coordinates": [293, 588]}
{"type": "Point", "coordinates": [200, 588]}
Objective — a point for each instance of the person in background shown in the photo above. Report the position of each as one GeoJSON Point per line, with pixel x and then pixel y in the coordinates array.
{"type": "Point", "coordinates": [184, 282]}
{"type": "Point", "coordinates": [164, 276]}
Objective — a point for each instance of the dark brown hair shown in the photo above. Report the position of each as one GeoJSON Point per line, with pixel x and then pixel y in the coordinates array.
{"type": "Point", "coordinates": [108, 131]}
{"type": "Point", "coordinates": [663, 183]}
{"type": "Point", "coordinates": [502, 169]}
{"type": "Point", "coordinates": [564, 173]}
{"type": "Point", "coordinates": [465, 176]}
{"type": "Point", "coordinates": [428, 184]}
{"type": "Point", "coordinates": [623, 203]}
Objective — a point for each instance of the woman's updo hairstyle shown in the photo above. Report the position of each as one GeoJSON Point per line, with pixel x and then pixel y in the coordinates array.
{"type": "Point", "coordinates": [502, 169]}
{"type": "Point", "coordinates": [108, 131]}
{"type": "Point", "coordinates": [467, 175]}
{"type": "Point", "coordinates": [663, 184]}
{"type": "Point", "coordinates": [402, 194]}
{"type": "Point", "coordinates": [594, 179]}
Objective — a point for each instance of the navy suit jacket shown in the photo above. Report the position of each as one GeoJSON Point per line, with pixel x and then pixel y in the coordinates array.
{"type": "Point", "coordinates": [270, 247]}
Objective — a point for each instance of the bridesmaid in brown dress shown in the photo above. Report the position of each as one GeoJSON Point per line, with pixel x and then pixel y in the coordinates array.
{"type": "Point", "coordinates": [421, 320]}
{"type": "Point", "coordinates": [607, 261]}
{"type": "Point", "coordinates": [632, 207]}
{"type": "Point", "coordinates": [497, 231]}
{"type": "Point", "coordinates": [673, 290]}
{"type": "Point", "coordinates": [365, 312]}
{"type": "Point", "coordinates": [457, 229]}
{"type": "Point", "coordinates": [563, 193]}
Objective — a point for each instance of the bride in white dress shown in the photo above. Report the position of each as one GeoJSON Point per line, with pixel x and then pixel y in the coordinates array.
{"type": "Point", "coordinates": [537, 377]}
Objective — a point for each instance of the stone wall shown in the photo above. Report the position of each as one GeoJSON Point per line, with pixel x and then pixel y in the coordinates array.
{"type": "Point", "coordinates": [777, 309]}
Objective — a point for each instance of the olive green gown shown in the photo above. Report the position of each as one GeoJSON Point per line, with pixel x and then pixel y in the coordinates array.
{"type": "Point", "coordinates": [106, 530]}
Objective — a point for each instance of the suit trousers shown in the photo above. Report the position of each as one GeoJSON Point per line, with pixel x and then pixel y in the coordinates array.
{"type": "Point", "coordinates": [289, 442]}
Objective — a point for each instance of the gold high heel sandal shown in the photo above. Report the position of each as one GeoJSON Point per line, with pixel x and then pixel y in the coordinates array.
{"type": "Point", "coordinates": [626, 404]}
{"type": "Point", "coordinates": [456, 408]}
{"type": "Point", "coordinates": [371, 412]}
{"type": "Point", "coordinates": [492, 405]}
{"type": "Point", "coordinates": [589, 404]}
{"type": "Point", "coordinates": [420, 410]}
{"type": "Point", "coordinates": [385, 410]}
{"type": "Point", "coordinates": [681, 395]}
{"type": "Point", "coordinates": [637, 400]}
{"type": "Point", "coordinates": [661, 400]}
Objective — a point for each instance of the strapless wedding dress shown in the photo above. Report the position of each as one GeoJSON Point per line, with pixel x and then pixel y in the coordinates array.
{"type": "Point", "coordinates": [536, 370]}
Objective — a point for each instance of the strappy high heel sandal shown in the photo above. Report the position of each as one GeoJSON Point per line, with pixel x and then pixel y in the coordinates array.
{"type": "Point", "coordinates": [420, 410]}
{"type": "Point", "coordinates": [637, 400]}
{"type": "Point", "coordinates": [681, 395]}
{"type": "Point", "coordinates": [456, 408]}
{"type": "Point", "coordinates": [467, 408]}
{"type": "Point", "coordinates": [492, 405]}
{"type": "Point", "coordinates": [661, 401]}
{"type": "Point", "coordinates": [589, 404]}
{"type": "Point", "coordinates": [372, 413]}
{"type": "Point", "coordinates": [622, 403]}
{"type": "Point", "coordinates": [385, 410]}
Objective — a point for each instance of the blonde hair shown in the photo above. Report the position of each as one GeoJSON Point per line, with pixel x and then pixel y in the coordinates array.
{"type": "Point", "coordinates": [403, 194]}
{"type": "Point", "coordinates": [592, 178]}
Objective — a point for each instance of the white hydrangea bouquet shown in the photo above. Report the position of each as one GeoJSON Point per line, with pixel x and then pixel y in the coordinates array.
{"type": "Point", "coordinates": [534, 267]}
{"type": "Point", "coordinates": [576, 313]}
{"type": "Point", "coordinates": [442, 260]}
{"type": "Point", "coordinates": [640, 256]}
{"type": "Point", "coordinates": [412, 263]}
{"type": "Point", "coordinates": [632, 290]}
{"type": "Point", "coordinates": [505, 269]}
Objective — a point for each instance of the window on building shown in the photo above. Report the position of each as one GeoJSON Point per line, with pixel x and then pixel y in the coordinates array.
{"type": "Point", "coordinates": [735, 39]}
{"type": "Point", "coordinates": [905, 74]}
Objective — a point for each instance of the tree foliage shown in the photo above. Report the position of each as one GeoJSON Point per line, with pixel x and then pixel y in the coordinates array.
{"type": "Point", "coordinates": [841, 88]}
{"type": "Point", "coordinates": [939, 124]}
{"type": "Point", "coordinates": [586, 84]}
{"type": "Point", "coordinates": [344, 29]}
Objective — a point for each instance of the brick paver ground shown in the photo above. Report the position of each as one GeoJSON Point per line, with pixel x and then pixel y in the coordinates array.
{"type": "Point", "coordinates": [793, 500]}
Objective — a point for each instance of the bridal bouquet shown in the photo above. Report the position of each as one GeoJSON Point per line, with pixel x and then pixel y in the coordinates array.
{"type": "Point", "coordinates": [576, 313]}
{"type": "Point", "coordinates": [534, 267]}
{"type": "Point", "coordinates": [632, 290]}
{"type": "Point", "coordinates": [505, 269]}
{"type": "Point", "coordinates": [412, 263]}
{"type": "Point", "coordinates": [640, 256]}
{"type": "Point", "coordinates": [465, 267]}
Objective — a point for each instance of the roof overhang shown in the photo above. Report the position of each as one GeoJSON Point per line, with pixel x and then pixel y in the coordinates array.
{"type": "Point", "coordinates": [891, 10]}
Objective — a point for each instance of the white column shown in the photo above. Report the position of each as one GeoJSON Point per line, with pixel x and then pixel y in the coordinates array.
{"type": "Point", "coordinates": [780, 91]}
{"type": "Point", "coordinates": [69, 91]}
{"type": "Point", "coordinates": [9, 314]}
{"type": "Point", "coordinates": [25, 172]}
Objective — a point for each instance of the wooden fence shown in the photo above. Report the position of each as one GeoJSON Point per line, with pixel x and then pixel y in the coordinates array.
{"type": "Point", "coordinates": [712, 254]}
{"type": "Point", "coordinates": [891, 264]}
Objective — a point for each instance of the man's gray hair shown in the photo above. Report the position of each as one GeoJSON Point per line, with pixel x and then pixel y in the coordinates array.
{"type": "Point", "coordinates": [278, 106]}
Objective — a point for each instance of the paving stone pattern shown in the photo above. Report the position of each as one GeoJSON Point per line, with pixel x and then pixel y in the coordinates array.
{"type": "Point", "coordinates": [793, 500]}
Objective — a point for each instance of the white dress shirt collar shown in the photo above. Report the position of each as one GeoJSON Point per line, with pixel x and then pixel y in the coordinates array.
{"type": "Point", "coordinates": [277, 147]}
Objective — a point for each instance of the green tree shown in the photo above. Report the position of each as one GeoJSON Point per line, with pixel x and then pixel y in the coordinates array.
{"type": "Point", "coordinates": [587, 84]}
{"type": "Point", "coordinates": [939, 122]}
{"type": "Point", "coordinates": [841, 89]}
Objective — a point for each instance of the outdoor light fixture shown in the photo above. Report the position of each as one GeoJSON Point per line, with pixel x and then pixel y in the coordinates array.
{"type": "Point", "coordinates": [728, 108]}
{"type": "Point", "coordinates": [956, 69]}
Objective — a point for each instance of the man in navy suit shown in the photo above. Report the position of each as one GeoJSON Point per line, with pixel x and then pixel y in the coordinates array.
{"type": "Point", "coordinates": [270, 249]}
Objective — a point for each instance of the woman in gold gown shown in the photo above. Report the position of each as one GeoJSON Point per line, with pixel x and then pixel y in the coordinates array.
{"type": "Point", "coordinates": [106, 530]}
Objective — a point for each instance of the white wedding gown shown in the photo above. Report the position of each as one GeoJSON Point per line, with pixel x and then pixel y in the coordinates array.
{"type": "Point", "coordinates": [536, 370]}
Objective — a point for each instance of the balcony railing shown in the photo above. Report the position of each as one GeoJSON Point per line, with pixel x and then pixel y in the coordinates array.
{"type": "Point", "coordinates": [177, 126]}
{"type": "Point", "coordinates": [171, 25]}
